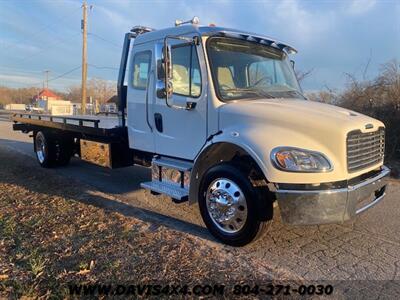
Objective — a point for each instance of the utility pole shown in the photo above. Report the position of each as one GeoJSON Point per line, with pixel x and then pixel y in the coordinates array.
{"type": "Point", "coordinates": [84, 55]}
{"type": "Point", "coordinates": [47, 78]}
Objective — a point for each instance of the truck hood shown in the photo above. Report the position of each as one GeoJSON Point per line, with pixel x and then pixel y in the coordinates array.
{"type": "Point", "coordinates": [262, 125]}
{"type": "Point", "coordinates": [297, 115]}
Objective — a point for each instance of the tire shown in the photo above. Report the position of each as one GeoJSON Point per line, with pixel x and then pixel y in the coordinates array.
{"type": "Point", "coordinates": [64, 150]}
{"type": "Point", "coordinates": [52, 151]}
{"type": "Point", "coordinates": [227, 194]}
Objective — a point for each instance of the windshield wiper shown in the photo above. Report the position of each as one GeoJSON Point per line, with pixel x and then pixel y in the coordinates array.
{"type": "Point", "coordinates": [258, 92]}
{"type": "Point", "coordinates": [297, 93]}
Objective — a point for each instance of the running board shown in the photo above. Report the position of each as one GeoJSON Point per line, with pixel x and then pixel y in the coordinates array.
{"type": "Point", "coordinates": [172, 190]}
{"type": "Point", "coordinates": [173, 164]}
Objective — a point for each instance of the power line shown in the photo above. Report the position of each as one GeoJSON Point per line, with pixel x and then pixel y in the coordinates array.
{"type": "Point", "coordinates": [57, 42]}
{"type": "Point", "coordinates": [101, 67]}
{"type": "Point", "coordinates": [104, 40]}
{"type": "Point", "coordinates": [24, 73]}
{"type": "Point", "coordinates": [66, 73]}
{"type": "Point", "coordinates": [49, 80]}
{"type": "Point", "coordinates": [41, 30]}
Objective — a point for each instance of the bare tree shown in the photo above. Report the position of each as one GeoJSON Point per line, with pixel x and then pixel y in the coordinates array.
{"type": "Point", "coordinates": [74, 93]}
{"type": "Point", "coordinates": [301, 75]}
{"type": "Point", "coordinates": [378, 98]}
{"type": "Point", "coordinates": [99, 89]}
{"type": "Point", "coordinates": [17, 95]}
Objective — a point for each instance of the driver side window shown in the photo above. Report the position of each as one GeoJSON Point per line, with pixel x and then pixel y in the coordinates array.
{"type": "Point", "coordinates": [186, 78]}
{"type": "Point", "coordinates": [141, 68]}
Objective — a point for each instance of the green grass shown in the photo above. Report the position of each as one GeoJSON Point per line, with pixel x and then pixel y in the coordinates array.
{"type": "Point", "coordinates": [7, 227]}
{"type": "Point", "coordinates": [83, 266]}
{"type": "Point", "coordinates": [36, 263]}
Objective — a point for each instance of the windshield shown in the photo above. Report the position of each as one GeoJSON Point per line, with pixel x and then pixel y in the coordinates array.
{"type": "Point", "coordinates": [243, 70]}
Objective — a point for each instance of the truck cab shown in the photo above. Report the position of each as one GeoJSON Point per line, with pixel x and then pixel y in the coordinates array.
{"type": "Point", "coordinates": [227, 103]}
{"type": "Point", "coordinates": [221, 119]}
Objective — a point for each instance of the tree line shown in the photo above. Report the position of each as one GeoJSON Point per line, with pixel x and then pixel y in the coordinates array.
{"type": "Point", "coordinates": [378, 98]}
{"type": "Point", "coordinates": [99, 89]}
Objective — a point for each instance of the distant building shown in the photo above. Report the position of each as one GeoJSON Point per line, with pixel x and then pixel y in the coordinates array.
{"type": "Point", "coordinates": [46, 94]}
{"type": "Point", "coordinates": [48, 102]}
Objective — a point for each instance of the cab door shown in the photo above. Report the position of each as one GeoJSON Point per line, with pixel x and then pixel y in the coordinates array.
{"type": "Point", "coordinates": [140, 98]}
{"type": "Point", "coordinates": [182, 132]}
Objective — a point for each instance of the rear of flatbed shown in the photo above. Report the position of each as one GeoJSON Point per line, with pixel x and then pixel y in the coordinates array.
{"type": "Point", "coordinates": [91, 138]}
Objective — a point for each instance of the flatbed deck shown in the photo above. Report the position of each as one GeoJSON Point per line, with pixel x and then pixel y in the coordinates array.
{"type": "Point", "coordinates": [97, 126]}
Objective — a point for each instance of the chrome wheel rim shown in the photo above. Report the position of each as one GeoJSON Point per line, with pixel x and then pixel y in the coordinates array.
{"type": "Point", "coordinates": [40, 148]}
{"type": "Point", "coordinates": [226, 205]}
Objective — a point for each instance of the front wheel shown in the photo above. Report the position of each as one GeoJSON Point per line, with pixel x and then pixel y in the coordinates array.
{"type": "Point", "coordinates": [227, 205]}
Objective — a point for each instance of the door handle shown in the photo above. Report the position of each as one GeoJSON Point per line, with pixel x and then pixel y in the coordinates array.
{"type": "Point", "coordinates": [190, 105]}
{"type": "Point", "coordinates": [158, 122]}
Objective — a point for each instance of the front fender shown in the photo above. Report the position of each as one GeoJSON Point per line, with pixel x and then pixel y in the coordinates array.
{"type": "Point", "coordinates": [260, 139]}
{"type": "Point", "coordinates": [223, 147]}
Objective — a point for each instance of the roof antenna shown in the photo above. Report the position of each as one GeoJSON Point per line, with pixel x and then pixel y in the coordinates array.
{"type": "Point", "coordinates": [194, 21]}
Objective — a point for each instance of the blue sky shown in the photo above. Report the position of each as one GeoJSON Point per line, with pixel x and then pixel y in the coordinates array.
{"type": "Point", "coordinates": [333, 37]}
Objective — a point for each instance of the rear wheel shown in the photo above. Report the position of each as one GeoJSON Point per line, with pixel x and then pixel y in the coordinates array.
{"type": "Point", "coordinates": [227, 205]}
{"type": "Point", "coordinates": [52, 151]}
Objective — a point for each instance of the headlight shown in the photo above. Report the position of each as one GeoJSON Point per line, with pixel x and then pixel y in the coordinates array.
{"type": "Point", "coordinates": [300, 160]}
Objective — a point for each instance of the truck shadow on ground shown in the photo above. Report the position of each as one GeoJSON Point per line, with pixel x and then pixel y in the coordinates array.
{"type": "Point", "coordinates": [118, 182]}
{"type": "Point", "coordinates": [127, 180]}
{"type": "Point", "coordinates": [308, 252]}
{"type": "Point", "coordinates": [362, 250]}
{"type": "Point", "coordinates": [115, 181]}
{"type": "Point", "coordinates": [49, 182]}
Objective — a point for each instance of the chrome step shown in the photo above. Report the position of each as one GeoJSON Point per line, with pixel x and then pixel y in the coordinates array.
{"type": "Point", "coordinates": [173, 164]}
{"type": "Point", "coordinates": [172, 190]}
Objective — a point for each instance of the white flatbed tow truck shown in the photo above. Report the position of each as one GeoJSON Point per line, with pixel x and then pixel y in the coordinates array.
{"type": "Point", "coordinates": [220, 118]}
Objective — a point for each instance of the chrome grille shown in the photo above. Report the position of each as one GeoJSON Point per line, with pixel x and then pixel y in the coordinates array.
{"type": "Point", "coordinates": [364, 149]}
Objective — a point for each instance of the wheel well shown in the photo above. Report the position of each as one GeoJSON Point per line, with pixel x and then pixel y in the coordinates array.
{"type": "Point", "coordinates": [59, 136]}
{"type": "Point", "coordinates": [227, 152]}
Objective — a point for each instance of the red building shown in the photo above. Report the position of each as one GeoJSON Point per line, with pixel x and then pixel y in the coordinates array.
{"type": "Point", "coordinates": [46, 94]}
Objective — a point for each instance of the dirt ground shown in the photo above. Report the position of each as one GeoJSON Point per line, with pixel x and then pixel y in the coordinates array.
{"type": "Point", "coordinates": [55, 231]}
{"type": "Point", "coordinates": [84, 224]}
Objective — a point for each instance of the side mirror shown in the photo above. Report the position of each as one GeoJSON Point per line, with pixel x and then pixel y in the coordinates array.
{"type": "Point", "coordinates": [292, 63]}
{"type": "Point", "coordinates": [164, 85]}
{"type": "Point", "coordinates": [167, 63]}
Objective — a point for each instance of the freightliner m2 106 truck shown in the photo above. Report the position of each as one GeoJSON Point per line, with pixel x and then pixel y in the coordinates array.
{"type": "Point", "coordinates": [219, 116]}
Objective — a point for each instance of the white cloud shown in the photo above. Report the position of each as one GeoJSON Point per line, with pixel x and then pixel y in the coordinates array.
{"type": "Point", "coordinates": [358, 7]}
{"type": "Point", "coordinates": [19, 79]}
{"type": "Point", "coordinates": [299, 24]}
{"type": "Point", "coordinates": [117, 19]}
{"type": "Point", "coordinates": [19, 46]}
{"type": "Point", "coordinates": [15, 80]}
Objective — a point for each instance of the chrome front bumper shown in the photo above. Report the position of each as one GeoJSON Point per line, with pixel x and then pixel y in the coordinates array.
{"type": "Point", "coordinates": [301, 207]}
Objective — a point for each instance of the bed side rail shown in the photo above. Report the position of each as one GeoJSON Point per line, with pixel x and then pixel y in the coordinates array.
{"type": "Point", "coordinates": [18, 117]}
